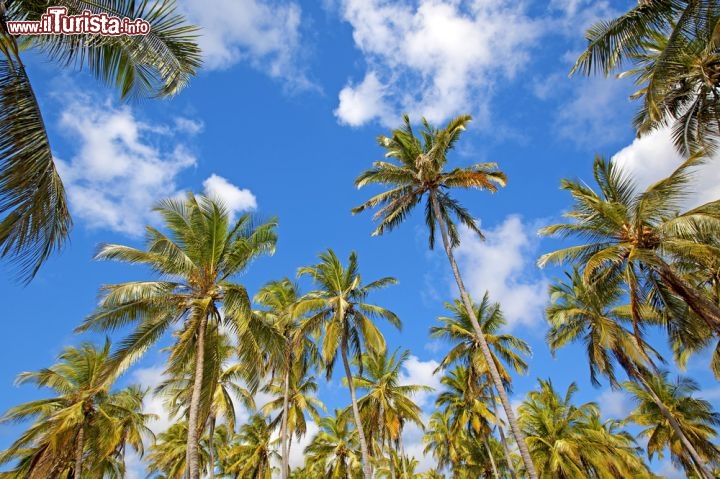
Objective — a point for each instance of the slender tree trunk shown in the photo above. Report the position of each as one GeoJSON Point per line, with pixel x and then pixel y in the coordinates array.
{"type": "Point", "coordinates": [192, 459]}
{"type": "Point", "coordinates": [701, 305]}
{"type": "Point", "coordinates": [492, 368]}
{"type": "Point", "coordinates": [676, 428]}
{"type": "Point", "coordinates": [79, 448]}
{"type": "Point", "coordinates": [366, 466]}
{"type": "Point", "coordinates": [496, 475]}
{"type": "Point", "coordinates": [402, 455]}
{"type": "Point", "coordinates": [211, 446]}
{"type": "Point", "coordinates": [285, 467]}
{"type": "Point", "coordinates": [503, 440]}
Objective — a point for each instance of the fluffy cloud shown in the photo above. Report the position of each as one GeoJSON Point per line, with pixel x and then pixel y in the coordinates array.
{"type": "Point", "coordinates": [416, 371]}
{"type": "Point", "coordinates": [265, 34]}
{"type": "Point", "coordinates": [501, 265]}
{"type": "Point", "coordinates": [121, 167]}
{"type": "Point", "coordinates": [234, 198]}
{"type": "Point", "coordinates": [653, 157]}
{"type": "Point", "coordinates": [432, 58]}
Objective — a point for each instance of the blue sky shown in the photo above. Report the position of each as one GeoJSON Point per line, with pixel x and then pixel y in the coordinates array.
{"type": "Point", "coordinates": [284, 116]}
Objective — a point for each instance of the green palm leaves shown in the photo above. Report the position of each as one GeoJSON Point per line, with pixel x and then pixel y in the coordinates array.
{"type": "Point", "coordinates": [34, 218]}
{"type": "Point", "coordinates": [674, 48]}
{"type": "Point", "coordinates": [85, 428]}
{"type": "Point", "coordinates": [202, 252]}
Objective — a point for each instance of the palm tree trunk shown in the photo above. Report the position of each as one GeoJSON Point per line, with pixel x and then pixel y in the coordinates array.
{"type": "Point", "coordinates": [702, 306]}
{"type": "Point", "coordinates": [366, 466]}
{"type": "Point", "coordinates": [192, 459]}
{"type": "Point", "coordinates": [492, 368]}
{"type": "Point", "coordinates": [211, 446]}
{"type": "Point", "coordinates": [676, 428]}
{"type": "Point", "coordinates": [285, 468]}
{"type": "Point", "coordinates": [496, 475]}
{"type": "Point", "coordinates": [79, 447]}
{"type": "Point", "coordinates": [503, 439]}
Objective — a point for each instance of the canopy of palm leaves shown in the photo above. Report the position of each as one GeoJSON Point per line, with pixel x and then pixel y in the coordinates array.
{"type": "Point", "coordinates": [696, 417]}
{"type": "Point", "coordinates": [249, 455]}
{"type": "Point", "coordinates": [639, 237]}
{"type": "Point", "coordinates": [34, 217]}
{"type": "Point", "coordinates": [168, 455]}
{"type": "Point", "coordinates": [568, 441]}
{"type": "Point", "coordinates": [673, 46]}
{"type": "Point", "coordinates": [334, 451]}
{"type": "Point", "coordinates": [197, 261]}
{"type": "Point", "coordinates": [85, 413]}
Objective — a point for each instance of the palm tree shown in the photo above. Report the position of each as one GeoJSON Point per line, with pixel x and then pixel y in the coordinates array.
{"type": "Point", "coordinates": [346, 322]}
{"type": "Point", "coordinates": [294, 399]}
{"type": "Point", "coordinates": [638, 236]}
{"type": "Point", "coordinates": [466, 401]}
{"type": "Point", "coordinates": [198, 258]}
{"type": "Point", "coordinates": [85, 426]}
{"type": "Point", "coordinates": [298, 352]}
{"type": "Point", "coordinates": [568, 441]}
{"type": "Point", "coordinates": [334, 450]}
{"type": "Point", "coordinates": [386, 407]}
{"type": "Point", "coordinates": [419, 172]}
{"type": "Point", "coordinates": [674, 48]}
{"type": "Point", "coordinates": [503, 347]}
{"type": "Point", "coordinates": [441, 441]}
{"type": "Point", "coordinates": [696, 419]}
{"type": "Point", "coordinates": [221, 380]}
{"type": "Point", "coordinates": [580, 312]}
{"type": "Point", "coordinates": [34, 217]}
{"type": "Point", "coordinates": [168, 455]}
{"type": "Point", "coordinates": [250, 453]}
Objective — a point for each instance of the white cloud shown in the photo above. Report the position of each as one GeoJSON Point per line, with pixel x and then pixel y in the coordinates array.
{"type": "Point", "coordinates": [433, 58]}
{"type": "Point", "coordinates": [266, 34]}
{"type": "Point", "coordinates": [234, 198]}
{"type": "Point", "coordinates": [151, 377]}
{"type": "Point", "coordinates": [118, 171]}
{"type": "Point", "coordinates": [503, 265]}
{"type": "Point", "coordinates": [614, 404]}
{"type": "Point", "coordinates": [576, 16]}
{"type": "Point", "coordinates": [189, 126]}
{"type": "Point", "coordinates": [653, 157]}
{"type": "Point", "coordinates": [416, 371]}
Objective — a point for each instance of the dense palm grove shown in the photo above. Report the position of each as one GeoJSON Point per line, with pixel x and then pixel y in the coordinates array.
{"type": "Point", "coordinates": [636, 260]}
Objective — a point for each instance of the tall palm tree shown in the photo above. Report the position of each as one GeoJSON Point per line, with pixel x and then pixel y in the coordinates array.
{"type": "Point", "coordinates": [504, 348]}
{"type": "Point", "coordinates": [419, 172]}
{"type": "Point", "coordinates": [34, 217]}
{"type": "Point", "coordinates": [346, 322]}
{"type": "Point", "coordinates": [85, 426]}
{"type": "Point", "coordinates": [334, 450]}
{"type": "Point", "coordinates": [222, 381]}
{"type": "Point", "coordinates": [589, 313]}
{"type": "Point", "coordinates": [674, 49]}
{"type": "Point", "coordinates": [568, 441]}
{"type": "Point", "coordinates": [638, 236]}
{"type": "Point", "coordinates": [297, 354]}
{"type": "Point", "coordinates": [197, 260]}
{"type": "Point", "coordinates": [250, 454]}
{"type": "Point", "coordinates": [387, 406]}
{"type": "Point", "coordinates": [695, 416]}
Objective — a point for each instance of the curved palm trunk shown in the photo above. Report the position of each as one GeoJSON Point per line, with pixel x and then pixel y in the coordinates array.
{"type": "Point", "coordinates": [702, 306]}
{"type": "Point", "coordinates": [366, 466]}
{"type": "Point", "coordinates": [285, 467]}
{"type": "Point", "coordinates": [496, 475]}
{"type": "Point", "coordinates": [492, 368]}
{"type": "Point", "coordinates": [211, 446]}
{"type": "Point", "coordinates": [676, 428]}
{"type": "Point", "coordinates": [79, 447]}
{"type": "Point", "coordinates": [192, 458]}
